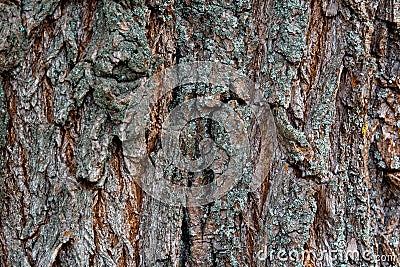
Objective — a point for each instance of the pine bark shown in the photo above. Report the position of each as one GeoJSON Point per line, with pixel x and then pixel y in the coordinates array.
{"type": "Point", "coordinates": [328, 69]}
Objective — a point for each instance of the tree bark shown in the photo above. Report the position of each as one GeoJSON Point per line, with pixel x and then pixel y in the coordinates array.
{"type": "Point", "coordinates": [328, 69]}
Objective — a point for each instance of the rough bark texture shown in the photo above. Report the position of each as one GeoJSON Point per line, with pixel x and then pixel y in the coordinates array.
{"type": "Point", "coordinates": [329, 70]}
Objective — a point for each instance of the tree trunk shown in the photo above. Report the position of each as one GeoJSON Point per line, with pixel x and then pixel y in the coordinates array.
{"type": "Point", "coordinates": [328, 69]}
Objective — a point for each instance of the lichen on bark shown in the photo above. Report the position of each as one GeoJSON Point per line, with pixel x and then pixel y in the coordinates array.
{"type": "Point", "coordinates": [328, 69]}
